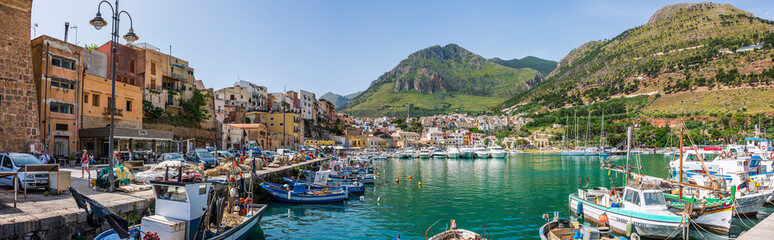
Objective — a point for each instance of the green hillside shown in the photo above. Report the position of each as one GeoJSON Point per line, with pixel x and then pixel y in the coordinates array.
{"type": "Point", "coordinates": [441, 80]}
{"type": "Point", "coordinates": [683, 49]}
{"type": "Point", "coordinates": [543, 66]}
{"type": "Point", "coordinates": [339, 100]}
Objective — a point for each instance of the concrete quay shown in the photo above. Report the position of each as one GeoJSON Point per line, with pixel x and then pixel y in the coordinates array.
{"type": "Point", "coordinates": [763, 230]}
{"type": "Point", "coordinates": [58, 217]}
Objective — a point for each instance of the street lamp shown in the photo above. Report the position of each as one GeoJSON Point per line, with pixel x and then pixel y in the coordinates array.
{"type": "Point", "coordinates": [98, 22]}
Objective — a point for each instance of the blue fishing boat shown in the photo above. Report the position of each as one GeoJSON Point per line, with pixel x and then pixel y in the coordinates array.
{"type": "Point", "coordinates": [185, 210]}
{"type": "Point", "coordinates": [303, 193]}
{"type": "Point", "coordinates": [321, 182]}
{"type": "Point", "coordinates": [368, 178]}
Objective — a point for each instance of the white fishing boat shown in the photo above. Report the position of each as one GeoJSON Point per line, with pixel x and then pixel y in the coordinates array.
{"type": "Point", "coordinates": [496, 151]}
{"type": "Point", "coordinates": [457, 234]}
{"type": "Point", "coordinates": [466, 152]}
{"type": "Point", "coordinates": [480, 152]}
{"type": "Point", "coordinates": [452, 152]}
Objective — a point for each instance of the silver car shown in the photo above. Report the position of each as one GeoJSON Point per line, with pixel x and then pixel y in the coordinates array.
{"type": "Point", "coordinates": [14, 162]}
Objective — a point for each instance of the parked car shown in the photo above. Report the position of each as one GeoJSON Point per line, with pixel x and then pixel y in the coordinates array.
{"type": "Point", "coordinates": [14, 162]}
{"type": "Point", "coordinates": [223, 155]}
{"type": "Point", "coordinates": [137, 156]}
{"type": "Point", "coordinates": [201, 155]}
{"type": "Point", "coordinates": [172, 157]}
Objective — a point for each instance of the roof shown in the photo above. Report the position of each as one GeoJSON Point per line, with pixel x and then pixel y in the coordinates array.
{"type": "Point", "coordinates": [247, 125]}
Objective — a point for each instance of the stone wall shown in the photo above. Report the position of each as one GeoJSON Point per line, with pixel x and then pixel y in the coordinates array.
{"type": "Point", "coordinates": [100, 122]}
{"type": "Point", "coordinates": [18, 118]}
{"type": "Point", "coordinates": [202, 136]}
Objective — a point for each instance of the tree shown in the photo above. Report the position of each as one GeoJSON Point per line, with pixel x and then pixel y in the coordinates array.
{"type": "Point", "coordinates": [194, 107]}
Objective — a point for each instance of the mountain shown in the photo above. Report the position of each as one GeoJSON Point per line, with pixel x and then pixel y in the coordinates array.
{"type": "Point", "coordinates": [339, 100]}
{"type": "Point", "coordinates": [682, 52]}
{"type": "Point", "coordinates": [441, 80]}
{"type": "Point", "coordinates": [543, 66]}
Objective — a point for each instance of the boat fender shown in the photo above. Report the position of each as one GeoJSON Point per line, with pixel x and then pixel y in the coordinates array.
{"type": "Point", "coordinates": [578, 235]}
{"type": "Point", "coordinates": [580, 209]}
{"type": "Point", "coordinates": [629, 229]}
{"type": "Point", "coordinates": [635, 236]}
{"type": "Point", "coordinates": [603, 218]}
{"type": "Point", "coordinates": [419, 184]}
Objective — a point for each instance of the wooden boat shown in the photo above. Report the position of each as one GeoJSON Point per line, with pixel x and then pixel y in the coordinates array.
{"type": "Point", "coordinates": [321, 182]}
{"type": "Point", "coordinates": [183, 211]}
{"type": "Point", "coordinates": [457, 234]}
{"type": "Point", "coordinates": [713, 214]}
{"type": "Point", "coordinates": [303, 193]}
{"type": "Point", "coordinates": [561, 229]}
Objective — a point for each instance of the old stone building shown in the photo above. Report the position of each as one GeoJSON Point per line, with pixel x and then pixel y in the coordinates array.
{"type": "Point", "coordinates": [18, 124]}
{"type": "Point", "coordinates": [57, 68]}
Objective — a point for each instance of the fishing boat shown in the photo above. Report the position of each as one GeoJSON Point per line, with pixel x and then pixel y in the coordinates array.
{"type": "Point", "coordinates": [466, 152]}
{"type": "Point", "coordinates": [457, 234]}
{"type": "Point", "coordinates": [366, 178]}
{"type": "Point", "coordinates": [452, 152]}
{"type": "Point", "coordinates": [438, 153]}
{"type": "Point", "coordinates": [186, 210]}
{"type": "Point", "coordinates": [321, 182]}
{"type": "Point", "coordinates": [713, 214]}
{"type": "Point", "coordinates": [496, 152]}
{"type": "Point", "coordinates": [561, 229]}
{"type": "Point", "coordinates": [480, 152]}
{"type": "Point", "coordinates": [424, 153]}
{"type": "Point", "coordinates": [303, 193]}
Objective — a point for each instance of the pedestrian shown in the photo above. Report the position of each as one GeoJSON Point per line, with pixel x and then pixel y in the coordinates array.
{"type": "Point", "coordinates": [44, 158]}
{"type": "Point", "coordinates": [85, 163]}
{"type": "Point", "coordinates": [130, 156]}
{"type": "Point", "coordinates": [116, 158]}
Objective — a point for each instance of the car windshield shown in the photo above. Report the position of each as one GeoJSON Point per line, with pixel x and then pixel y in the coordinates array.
{"type": "Point", "coordinates": [653, 198]}
{"type": "Point", "coordinates": [203, 154]}
{"type": "Point", "coordinates": [173, 156]}
{"type": "Point", "coordinates": [22, 160]}
{"type": "Point", "coordinates": [227, 154]}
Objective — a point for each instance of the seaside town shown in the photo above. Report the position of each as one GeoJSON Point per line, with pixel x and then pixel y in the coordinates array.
{"type": "Point", "coordinates": [124, 139]}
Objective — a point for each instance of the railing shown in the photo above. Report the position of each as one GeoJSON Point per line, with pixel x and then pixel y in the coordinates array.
{"type": "Point", "coordinates": [119, 112]}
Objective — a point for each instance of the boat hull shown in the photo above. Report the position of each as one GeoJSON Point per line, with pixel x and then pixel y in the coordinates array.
{"type": "Point", "coordinates": [498, 154]}
{"type": "Point", "coordinates": [350, 186]}
{"type": "Point", "coordinates": [645, 225]}
{"type": "Point", "coordinates": [453, 155]}
{"type": "Point", "coordinates": [749, 205]}
{"type": "Point", "coordinates": [363, 179]}
{"type": "Point", "coordinates": [482, 155]}
{"type": "Point", "coordinates": [467, 154]}
{"type": "Point", "coordinates": [289, 196]}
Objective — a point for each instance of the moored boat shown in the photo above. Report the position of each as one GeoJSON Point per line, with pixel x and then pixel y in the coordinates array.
{"type": "Point", "coordinates": [480, 152]}
{"type": "Point", "coordinates": [438, 153]}
{"type": "Point", "coordinates": [424, 153]}
{"type": "Point", "coordinates": [321, 182]}
{"type": "Point", "coordinates": [303, 193]}
{"type": "Point", "coordinates": [496, 152]}
{"type": "Point", "coordinates": [457, 234]}
{"type": "Point", "coordinates": [561, 229]}
{"type": "Point", "coordinates": [466, 152]}
{"type": "Point", "coordinates": [452, 152]}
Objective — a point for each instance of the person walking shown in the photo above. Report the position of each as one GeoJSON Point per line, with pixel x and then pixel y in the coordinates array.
{"type": "Point", "coordinates": [44, 158]}
{"type": "Point", "coordinates": [116, 158]}
{"type": "Point", "coordinates": [85, 163]}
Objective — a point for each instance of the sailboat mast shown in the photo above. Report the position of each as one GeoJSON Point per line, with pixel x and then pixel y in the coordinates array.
{"type": "Point", "coordinates": [588, 128]}
{"type": "Point", "coordinates": [628, 153]}
{"type": "Point", "coordinates": [575, 115]}
{"type": "Point", "coordinates": [680, 198]}
{"type": "Point", "coordinates": [602, 133]}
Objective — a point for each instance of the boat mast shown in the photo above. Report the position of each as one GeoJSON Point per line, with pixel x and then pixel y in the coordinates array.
{"type": "Point", "coordinates": [566, 131]}
{"type": "Point", "coordinates": [588, 128]}
{"type": "Point", "coordinates": [628, 154]}
{"type": "Point", "coordinates": [602, 133]}
{"type": "Point", "coordinates": [680, 197]}
{"type": "Point", "coordinates": [575, 115]}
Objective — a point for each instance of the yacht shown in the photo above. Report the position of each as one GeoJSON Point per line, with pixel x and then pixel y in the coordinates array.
{"type": "Point", "coordinates": [466, 152]}
{"type": "Point", "coordinates": [407, 153]}
{"type": "Point", "coordinates": [480, 152]}
{"type": "Point", "coordinates": [438, 153]}
{"type": "Point", "coordinates": [424, 153]}
{"type": "Point", "coordinates": [496, 152]}
{"type": "Point", "coordinates": [452, 152]}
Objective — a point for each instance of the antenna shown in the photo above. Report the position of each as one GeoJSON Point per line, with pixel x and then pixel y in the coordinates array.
{"type": "Point", "coordinates": [35, 29]}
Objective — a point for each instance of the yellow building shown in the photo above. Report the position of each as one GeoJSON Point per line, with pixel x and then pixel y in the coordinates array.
{"type": "Point", "coordinates": [286, 124]}
{"type": "Point", "coordinates": [96, 103]}
{"type": "Point", "coordinates": [319, 142]}
{"type": "Point", "coordinates": [356, 141]}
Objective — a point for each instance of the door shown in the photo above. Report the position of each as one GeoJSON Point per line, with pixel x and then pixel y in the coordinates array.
{"type": "Point", "coordinates": [61, 147]}
{"type": "Point", "coordinates": [6, 166]}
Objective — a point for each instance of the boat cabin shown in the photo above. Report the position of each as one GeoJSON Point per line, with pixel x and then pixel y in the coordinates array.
{"type": "Point", "coordinates": [641, 200]}
{"type": "Point", "coordinates": [179, 209]}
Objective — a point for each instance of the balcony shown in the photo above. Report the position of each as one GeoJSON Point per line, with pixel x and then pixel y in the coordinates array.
{"type": "Point", "coordinates": [119, 112]}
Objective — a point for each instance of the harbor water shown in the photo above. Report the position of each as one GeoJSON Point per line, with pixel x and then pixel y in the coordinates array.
{"type": "Point", "coordinates": [498, 198]}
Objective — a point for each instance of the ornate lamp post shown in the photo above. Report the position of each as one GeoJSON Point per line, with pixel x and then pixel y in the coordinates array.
{"type": "Point", "coordinates": [130, 37]}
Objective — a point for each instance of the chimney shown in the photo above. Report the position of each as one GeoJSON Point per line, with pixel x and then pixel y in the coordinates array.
{"type": "Point", "coordinates": [67, 27]}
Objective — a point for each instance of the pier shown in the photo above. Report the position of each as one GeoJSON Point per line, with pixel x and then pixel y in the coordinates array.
{"type": "Point", "coordinates": [58, 217]}
{"type": "Point", "coordinates": [763, 230]}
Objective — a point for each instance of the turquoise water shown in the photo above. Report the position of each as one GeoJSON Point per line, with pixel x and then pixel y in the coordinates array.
{"type": "Point", "coordinates": [499, 198]}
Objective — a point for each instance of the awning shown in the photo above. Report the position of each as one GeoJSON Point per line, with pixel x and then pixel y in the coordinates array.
{"type": "Point", "coordinates": [126, 133]}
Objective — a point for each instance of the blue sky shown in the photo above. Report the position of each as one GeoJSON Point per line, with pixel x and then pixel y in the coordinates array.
{"type": "Point", "coordinates": [341, 46]}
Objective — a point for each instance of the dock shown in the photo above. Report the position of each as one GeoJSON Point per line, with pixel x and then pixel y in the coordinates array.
{"type": "Point", "coordinates": [58, 217]}
{"type": "Point", "coordinates": [763, 230]}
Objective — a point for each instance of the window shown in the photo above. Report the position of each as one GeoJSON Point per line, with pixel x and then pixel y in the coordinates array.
{"type": "Point", "coordinates": [653, 198]}
{"type": "Point", "coordinates": [62, 63]}
{"type": "Point", "coordinates": [95, 100]}
{"type": "Point", "coordinates": [271, 119]}
{"type": "Point", "coordinates": [172, 193]}
{"type": "Point", "coordinates": [85, 98]}
{"type": "Point", "coordinates": [61, 108]}
{"type": "Point", "coordinates": [131, 65]}
{"type": "Point", "coordinates": [272, 124]}
{"type": "Point", "coordinates": [153, 68]}
{"type": "Point", "coordinates": [7, 162]}
{"type": "Point", "coordinates": [632, 197]}
{"type": "Point", "coordinates": [153, 82]}
{"type": "Point", "coordinates": [61, 84]}
{"type": "Point", "coordinates": [61, 127]}
{"type": "Point", "coordinates": [128, 106]}
{"type": "Point", "coordinates": [282, 124]}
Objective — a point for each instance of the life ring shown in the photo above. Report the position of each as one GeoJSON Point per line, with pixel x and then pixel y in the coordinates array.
{"type": "Point", "coordinates": [771, 155]}
{"type": "Point", "coordinates": [763, 148]}
{"type": "Point", "coordinates": [336, 168]}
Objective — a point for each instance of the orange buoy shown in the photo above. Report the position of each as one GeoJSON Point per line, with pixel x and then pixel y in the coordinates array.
{"type": "Point", "coordinates": [411, 178]}
{"type": "Point", "coordinates": [397, 180]}
{"type": "Point", "coordinates": [603, 218]}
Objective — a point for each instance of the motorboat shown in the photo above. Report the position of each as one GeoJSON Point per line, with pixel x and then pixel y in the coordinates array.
{"type": "Point", "coordinates": [424, 153]}
{"type": "Point", "coordinates": [496, 152]}
{"type": "Point", "coordinates": [466, 152]}
{"type": "Point", "coordinates": [457, 234]}
{"type": "Point", "coordinates": [560, 229]}
{"type": "Point", "coordinates": [480, 152]}
{"type": "Point", "coordinates": [452, 152]}
{"type": "Point", "coordinates": [438, 153]}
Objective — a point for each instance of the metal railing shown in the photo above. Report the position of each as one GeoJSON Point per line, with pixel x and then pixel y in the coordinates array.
{"type": "Point", "coordinates": [119, 112]}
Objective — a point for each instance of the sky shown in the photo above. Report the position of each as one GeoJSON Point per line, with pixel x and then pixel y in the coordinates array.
{"type": "Point", "coordinates": [342, 45]}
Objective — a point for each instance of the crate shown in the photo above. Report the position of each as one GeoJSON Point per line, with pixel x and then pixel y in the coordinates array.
{"type": "Point", "coordinates": [60, 181]}
{"type": "Point", "coordinates": [166, 228]}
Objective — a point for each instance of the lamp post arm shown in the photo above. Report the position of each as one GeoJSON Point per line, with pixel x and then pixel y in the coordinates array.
{"type": "Point", "coordinates": [99, 6]}
{"type": "Point", "coordinates": [131, 25]}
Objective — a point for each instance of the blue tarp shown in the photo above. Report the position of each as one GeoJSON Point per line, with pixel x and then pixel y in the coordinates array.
{"type": "Point", "coordinates": [757, 139]}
